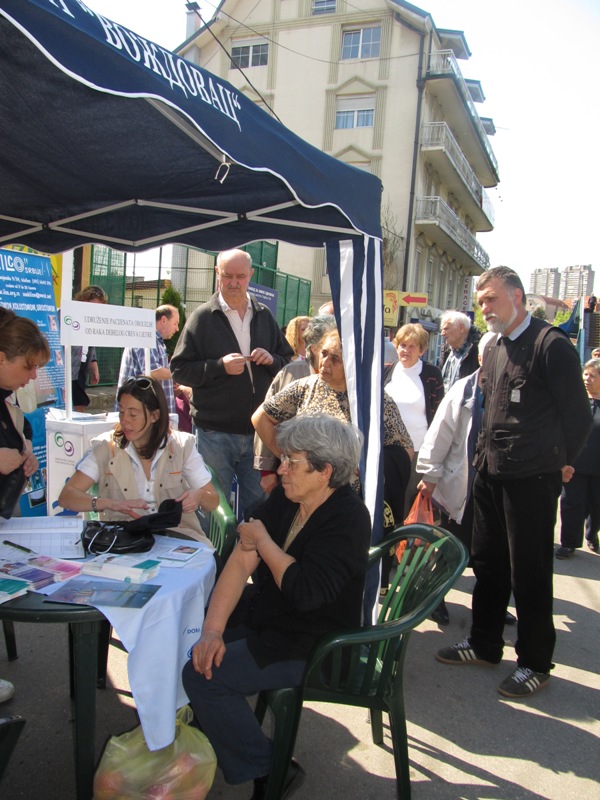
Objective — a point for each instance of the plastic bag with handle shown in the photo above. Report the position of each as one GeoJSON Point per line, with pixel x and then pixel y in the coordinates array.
{"type": "Point", "coordinates": [420, 511]}
{"type": "Point", "coordinates": [184, 770]}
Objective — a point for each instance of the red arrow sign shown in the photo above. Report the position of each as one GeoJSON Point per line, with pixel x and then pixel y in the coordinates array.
{"type": "Point", "coordinates": [408, 299]}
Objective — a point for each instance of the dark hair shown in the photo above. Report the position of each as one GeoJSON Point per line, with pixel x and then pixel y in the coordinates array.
{"type": "Point", "coordinates": [506, 275]}
{"type": "Point", "coordinates": [92, 293]}
{"type": "Point", "coordinates": [315, 332]}
{"type": "Point", "coordinates": [150, 394]}
{"type": "Point", "coordinates": [20, 336]}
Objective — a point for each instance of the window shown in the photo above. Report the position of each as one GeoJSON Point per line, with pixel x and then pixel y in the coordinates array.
{"type": "Point", "coordinates": [355, 112]}
{"type": "Point", "coordinates": [361, 43]}
{"type": "Point", "coordinates": [250, 54]}
{"type": "Point", "coordinates": [323, 6]}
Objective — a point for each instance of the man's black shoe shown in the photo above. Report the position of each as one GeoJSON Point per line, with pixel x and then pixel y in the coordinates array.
{"type": "Point", "coordinates": [293, 780]}
{"type": "Point", "coordinates": [509, 619]}
{"type": "Point", "coordinates": [441, 615]}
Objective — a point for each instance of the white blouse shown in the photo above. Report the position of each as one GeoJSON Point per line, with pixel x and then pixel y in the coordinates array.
{"type": "Point", "coordinates": [194, 472]}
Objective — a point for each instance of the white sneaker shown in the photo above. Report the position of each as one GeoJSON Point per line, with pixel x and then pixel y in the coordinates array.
{"type": "Point", "coordinates": [6, 690]}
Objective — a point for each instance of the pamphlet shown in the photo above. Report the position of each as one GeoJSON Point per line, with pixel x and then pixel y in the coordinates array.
{"type": "Point", "coordinates": [12, 587]}
{"type": "Point", "coordinates": [124, 594]}
{"type": "Point", "coordinates": [38, 578]}
{"type": "Point", "coordinates": [133, 568]}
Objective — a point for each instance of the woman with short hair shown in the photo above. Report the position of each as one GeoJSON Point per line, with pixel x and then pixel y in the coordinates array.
{"type": "Point", "coordinates": [306, 550]}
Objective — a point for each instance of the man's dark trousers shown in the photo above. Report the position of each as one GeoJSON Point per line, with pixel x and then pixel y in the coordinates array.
{"type": "Point", "coordinates": [513, 538]}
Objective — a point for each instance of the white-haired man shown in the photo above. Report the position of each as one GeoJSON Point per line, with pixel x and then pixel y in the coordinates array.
{"type": "Point", "coordinates": [462, 357]}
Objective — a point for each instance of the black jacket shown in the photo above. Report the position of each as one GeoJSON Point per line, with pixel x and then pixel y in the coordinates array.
{"type": "Point", "coordinates": [222, 402]}
{"type": "Point", "coordinates": [322, 591]}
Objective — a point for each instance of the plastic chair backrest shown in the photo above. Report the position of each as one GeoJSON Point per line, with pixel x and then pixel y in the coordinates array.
{"type": "Point", "coordinates": [222, 526]}
{"type": "Point", "coordinates": [363, 663]}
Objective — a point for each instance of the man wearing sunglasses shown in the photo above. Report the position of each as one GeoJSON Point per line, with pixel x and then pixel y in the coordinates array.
{"type": "Point", "coordinates": [133, 359]}
{"type": "Point", "coordinates": [229, 351]}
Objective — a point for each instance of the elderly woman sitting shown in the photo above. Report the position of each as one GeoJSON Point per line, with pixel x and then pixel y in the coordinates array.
{"type": "Point", "coordinates": [306, 549]}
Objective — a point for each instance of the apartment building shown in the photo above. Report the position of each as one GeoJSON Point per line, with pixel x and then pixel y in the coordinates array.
{"type": "Point", "coordinates": [382, 89]}
{"type": "Point", "coordinates": [545, 281]}
{"type": "Point", "coordinates": [576, 281]}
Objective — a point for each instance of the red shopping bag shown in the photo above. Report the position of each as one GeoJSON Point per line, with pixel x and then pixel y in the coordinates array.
{"type": "Point", "coordinates": [420, 511]}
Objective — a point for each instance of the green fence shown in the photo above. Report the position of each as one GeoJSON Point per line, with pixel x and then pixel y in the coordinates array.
{"type": "Point", "coordinates": [192, 274]}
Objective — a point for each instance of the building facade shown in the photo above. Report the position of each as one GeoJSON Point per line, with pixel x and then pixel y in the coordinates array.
{"type": "Point", "coordinates": [380, 88]}
{"type": "Point", "coordinates": [576, 281]}
{"type": "Point", "coordinates": [545, 281]}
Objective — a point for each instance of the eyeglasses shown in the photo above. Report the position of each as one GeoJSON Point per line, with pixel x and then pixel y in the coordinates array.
{"type": "Point", "coordinates": [290, 463]}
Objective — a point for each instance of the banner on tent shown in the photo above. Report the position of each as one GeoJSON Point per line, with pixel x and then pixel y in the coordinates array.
{"type": "Point", "coordinates": [26, 287]}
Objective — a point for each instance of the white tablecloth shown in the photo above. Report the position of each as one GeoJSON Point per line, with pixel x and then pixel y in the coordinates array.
{"type": "Point", "coordinates": [159, 638]}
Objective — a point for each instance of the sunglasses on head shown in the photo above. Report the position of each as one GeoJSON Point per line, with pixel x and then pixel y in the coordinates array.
{"type": "Point", "coordinates": [142, 383]}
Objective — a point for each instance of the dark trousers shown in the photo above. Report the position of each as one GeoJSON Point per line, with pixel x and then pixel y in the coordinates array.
{"type": "Point", "coordinates": [580, 500]}
{"type": "Point", "coordinates": [513, 548]}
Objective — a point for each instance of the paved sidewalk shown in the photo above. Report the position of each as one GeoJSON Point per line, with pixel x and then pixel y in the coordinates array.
{"type": "Point", "coordinates": [466, 742]}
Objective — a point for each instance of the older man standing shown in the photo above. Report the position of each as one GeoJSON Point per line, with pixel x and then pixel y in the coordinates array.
{"type": "Point", "coordinates": [229, 351]}
{"type": "Point", "coordinates": [133, 361]}
{"type": "Point", "coordinates": [536, 419]}
{"type": "Point", "coordinates": [462, 358]}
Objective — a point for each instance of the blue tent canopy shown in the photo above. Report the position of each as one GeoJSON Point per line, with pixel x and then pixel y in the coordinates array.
{"type": "Point", "coordinates": [108, 138]}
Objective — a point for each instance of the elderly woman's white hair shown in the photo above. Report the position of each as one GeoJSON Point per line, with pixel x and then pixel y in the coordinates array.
{"type": "Point", "coordinates": [325, 440]}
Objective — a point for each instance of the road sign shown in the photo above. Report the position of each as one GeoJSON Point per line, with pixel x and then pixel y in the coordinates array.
{"type": "Point", "coordinates": [413, 299]}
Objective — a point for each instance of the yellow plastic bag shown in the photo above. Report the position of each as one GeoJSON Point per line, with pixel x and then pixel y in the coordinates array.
{"type": "Point", "coordinates": [184, 770]}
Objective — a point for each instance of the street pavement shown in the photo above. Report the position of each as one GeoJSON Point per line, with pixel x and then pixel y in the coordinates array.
{"type": "Point", "coordinates": [465, 741]}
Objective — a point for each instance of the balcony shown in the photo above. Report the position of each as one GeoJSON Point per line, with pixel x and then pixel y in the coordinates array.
{"type": "Point", "coordinates": [448, 85]}
{"type": "Point", "coordinates": [436, 219]}
{"type": "Point", "coordinates": [443, 152]}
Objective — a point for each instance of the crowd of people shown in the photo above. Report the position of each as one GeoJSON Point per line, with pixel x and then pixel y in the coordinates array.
{"type": "Point", "coordinates": [495, 436]}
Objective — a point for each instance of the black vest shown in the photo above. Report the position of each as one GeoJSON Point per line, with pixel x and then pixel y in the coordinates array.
{"type": "Point", "coordinates": [521, 434]}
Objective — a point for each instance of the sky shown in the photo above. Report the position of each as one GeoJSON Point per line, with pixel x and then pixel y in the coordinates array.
{"type": "Point", "coordinates": [537, 63]}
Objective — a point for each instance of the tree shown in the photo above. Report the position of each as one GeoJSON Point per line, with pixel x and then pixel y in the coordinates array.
{"type": "Point", "coordinates": [479, 321]}
{"type": "Point", "coordinates": [171, 297]}
{"type": "Point", "coordinates": [561, 316]}
{"type": "Point", "coordinates": [393, 249]}
{"type": "Point", "coordinates": [539, 313]}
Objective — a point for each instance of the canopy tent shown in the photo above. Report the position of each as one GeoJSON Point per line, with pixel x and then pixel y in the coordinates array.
{"type": "Point", "coordinates": [108, 138]}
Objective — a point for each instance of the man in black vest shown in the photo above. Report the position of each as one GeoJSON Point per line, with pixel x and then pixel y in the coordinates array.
{"type": "Point", "coordinates": [536, 419]}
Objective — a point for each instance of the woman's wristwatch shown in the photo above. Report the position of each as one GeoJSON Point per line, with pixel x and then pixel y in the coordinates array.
{"type": "Point", "coordinates": [94, 503]}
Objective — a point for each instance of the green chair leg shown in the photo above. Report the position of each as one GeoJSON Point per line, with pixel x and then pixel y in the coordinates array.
{"type": "Point", "coordinates": [286, 706]}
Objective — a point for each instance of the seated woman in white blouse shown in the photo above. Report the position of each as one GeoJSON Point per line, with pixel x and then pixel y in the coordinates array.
{"type": "Point", "coordinates": [141, 463]}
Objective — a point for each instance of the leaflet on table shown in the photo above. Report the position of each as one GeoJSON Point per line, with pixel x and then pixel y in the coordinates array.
{"type": "Point", "coordinates": [12, 587]}
{"type": "Point", "coordinates": [122, 568]}
{"type": "Point", "coordinates": [57, 536]}
{"type": "Point", "coordinates": [176, 553]}
{"type": "Point", "coordinates": [39, 569]}
{"type": "Point", "coordinates": [124, 594]}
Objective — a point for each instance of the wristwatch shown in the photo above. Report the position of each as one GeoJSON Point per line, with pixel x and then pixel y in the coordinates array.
{"type": "Point", "coordinates": [94, 503]}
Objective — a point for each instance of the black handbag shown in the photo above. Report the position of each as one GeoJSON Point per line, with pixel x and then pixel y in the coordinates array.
{"type": "Point", "coordinates": [135, 536]}
{"type": "Point", "coordinates": [11, 487]}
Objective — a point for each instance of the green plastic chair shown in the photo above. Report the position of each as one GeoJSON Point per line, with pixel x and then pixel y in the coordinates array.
{"type": "Point", "coordinates": [10, 730]}
{"type": "Point", "coordinates": [222, 524]}
{"type": "Point", "coordinates": [364, 667]}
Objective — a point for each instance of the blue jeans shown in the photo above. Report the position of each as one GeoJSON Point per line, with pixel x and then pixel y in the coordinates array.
{"type": "Point", "coordinates": [221, 707]}
{"type": "Point", "coordinates": [232, 454]}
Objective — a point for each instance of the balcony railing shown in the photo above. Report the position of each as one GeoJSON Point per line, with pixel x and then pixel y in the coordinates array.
{"type": "Point", "coordinates": [438, 134]}
{"type": "Point", "coordinates": [434, 209]}
{"type": "Point", "coordinates": [443, 62]}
